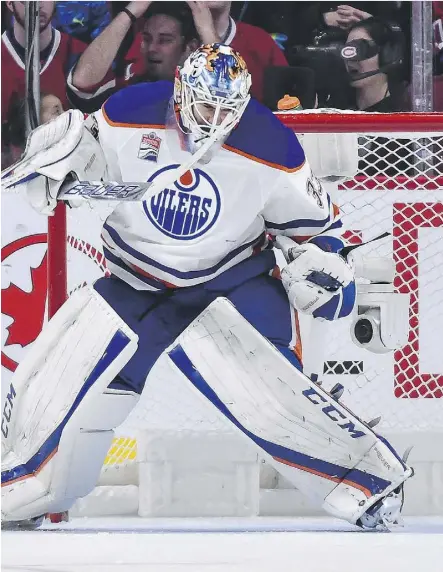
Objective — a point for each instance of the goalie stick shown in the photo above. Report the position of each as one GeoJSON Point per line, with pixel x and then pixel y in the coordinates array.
{"type": "Point", "coordinates": [73, 189]}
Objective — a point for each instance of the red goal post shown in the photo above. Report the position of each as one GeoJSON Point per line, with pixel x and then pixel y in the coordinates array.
{"type": "Point", "coordinates": [340, 121]}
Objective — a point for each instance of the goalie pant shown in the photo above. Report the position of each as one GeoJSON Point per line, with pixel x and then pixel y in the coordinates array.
{"type": "Point", "coordinates": [158, 318]}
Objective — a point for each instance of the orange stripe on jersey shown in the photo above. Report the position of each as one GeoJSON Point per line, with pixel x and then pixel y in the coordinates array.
{"type": "Point", "coordinates": [107, 243]}
{"type": "Point", "coordinates": [133, 125]}
{"type": "Point", "coordinates": [144, 273]}
{"type": "Point", "coordinates": [262, 161]}
{"type": "Point", "coordinates": [301, 239]}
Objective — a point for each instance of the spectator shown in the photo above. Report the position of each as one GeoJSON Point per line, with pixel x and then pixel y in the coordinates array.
{"type": "Point", "coordinates": [317, 23]}
{"type": "Point", "coordinates": [14, 129]}
{"type": "Point", "coordinates": [183, 28]}
{"type": "Point", "coordinates": [255, 45]}
{"type": "Point", "coordinates": [82, 20]}
{"type": "Point", "coordinates": [438, 93]}
{"type": "Point", "coordinates": [13, 132]}
{"type": "Point", "coordinates": [58, 53]}
{"type": "Point", "coordinates": [318, 44]}
{"type": "Point", "coordinates": [373, 55]}
{"type": "Point", "coordinates": [313, 34]}
{"type": "Point", "coordinates": [117, 6]}
{"type": "Point", "coordinates": [168, 37]}
{"type": "Point", "coordinates": [50, 107]}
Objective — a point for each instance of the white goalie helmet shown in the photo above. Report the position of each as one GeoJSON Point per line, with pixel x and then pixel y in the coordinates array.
{"type": "Point", "coordinates": [211, 91]}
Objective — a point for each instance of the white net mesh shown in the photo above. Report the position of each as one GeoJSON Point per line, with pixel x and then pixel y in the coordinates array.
{"type": "Point", "coordinates": [400, 162]}
{"type": "Point", "coordinates": [393, 384]}
{"type": "Point", "coordinates": [398, 189]}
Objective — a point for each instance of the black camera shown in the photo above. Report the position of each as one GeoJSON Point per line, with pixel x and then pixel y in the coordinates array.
{"type": "Point", "coordinates": [363, 330]}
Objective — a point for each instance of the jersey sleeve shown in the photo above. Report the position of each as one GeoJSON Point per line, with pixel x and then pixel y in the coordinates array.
{"type": "Point", "coordinates": [300, 207]}
{"type": "Point", "coordinates": [91, 99]}
{"type": "Point", "coordinates": [132, 107]}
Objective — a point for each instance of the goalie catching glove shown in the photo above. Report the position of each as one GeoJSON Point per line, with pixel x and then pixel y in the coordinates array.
{"type": "Point", "coordinates": [317, 282]}
{"type": "Point", "coordinates": [55, 150]}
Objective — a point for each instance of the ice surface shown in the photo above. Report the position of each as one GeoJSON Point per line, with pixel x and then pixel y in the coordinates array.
{"type": "Point", "coordinates": [222, 545]}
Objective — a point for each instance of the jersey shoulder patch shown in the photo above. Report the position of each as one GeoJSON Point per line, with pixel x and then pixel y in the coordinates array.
{"type": "Point", "coordinates": [262, 137]}
{"type": "Point", "coordinates": [140, 105]}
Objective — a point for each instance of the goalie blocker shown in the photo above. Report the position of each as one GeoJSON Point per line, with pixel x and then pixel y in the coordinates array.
{"type": "Point", "coordinates": [54, 451]}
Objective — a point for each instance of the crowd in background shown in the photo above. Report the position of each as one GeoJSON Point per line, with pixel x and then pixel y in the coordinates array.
{"type": "Point", "coordinates": [300, 54]}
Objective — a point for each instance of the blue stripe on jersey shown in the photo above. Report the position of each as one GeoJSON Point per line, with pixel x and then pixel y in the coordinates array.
{"type": "Point", "coordinates": [141, 104]}
{"type": "Point", "coordinates": [120, 263]}
{"type": "Point", "coordinates": [297, 223]}
{"type": "Point", "coordinates": [191, 274]}
{"type": "Point", "coordinates": [301, 222]}
{"type": "Point", "coordinates": [264, 136]}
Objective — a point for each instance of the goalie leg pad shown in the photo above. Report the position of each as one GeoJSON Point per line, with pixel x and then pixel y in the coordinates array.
{"type": "Point", "coordinates": [327, 452]}
{"type": "Point", "coordinates": [62, 415]}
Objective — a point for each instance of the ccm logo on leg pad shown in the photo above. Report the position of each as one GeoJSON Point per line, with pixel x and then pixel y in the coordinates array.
{"type": "Point", "coordinates": [7, 410]}
{"type": "Point", "coordinates": [333, 413]}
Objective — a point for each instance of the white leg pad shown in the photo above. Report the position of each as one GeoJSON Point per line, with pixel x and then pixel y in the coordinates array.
{"type": "Point", "coordinates": [60, 414]}
{"type": "Point", "coordinates": [314, 441]}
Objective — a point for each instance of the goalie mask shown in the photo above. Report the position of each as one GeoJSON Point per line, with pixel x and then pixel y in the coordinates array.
{"type": "Point", "coordinates": [211, 91]}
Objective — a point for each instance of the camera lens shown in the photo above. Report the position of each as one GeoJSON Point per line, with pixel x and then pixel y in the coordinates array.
{"type": "Point", "coordinates": [363, 331]}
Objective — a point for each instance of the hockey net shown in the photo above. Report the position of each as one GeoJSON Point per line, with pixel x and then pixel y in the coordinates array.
{"type": "Point", "coordinates": [398, 189]}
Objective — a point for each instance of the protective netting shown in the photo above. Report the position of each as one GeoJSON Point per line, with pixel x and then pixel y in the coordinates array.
{"type": "Point", "coordinates": [398, 189]}
{"type": "Point", "coordinates": [400, 163]}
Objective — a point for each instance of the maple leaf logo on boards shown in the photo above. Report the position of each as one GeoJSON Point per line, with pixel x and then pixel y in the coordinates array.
{"type": "Point", "coordinates": [26, 304]}
{"type": "Point", "coordinates": [27, 309]}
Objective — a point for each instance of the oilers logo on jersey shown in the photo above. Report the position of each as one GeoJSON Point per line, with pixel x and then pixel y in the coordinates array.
{"type": "Point", "coordinates": [189, 209]}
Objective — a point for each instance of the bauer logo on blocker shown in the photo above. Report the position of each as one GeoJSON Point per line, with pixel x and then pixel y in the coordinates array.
{"type": "Point", "coordinates": [186, 210]}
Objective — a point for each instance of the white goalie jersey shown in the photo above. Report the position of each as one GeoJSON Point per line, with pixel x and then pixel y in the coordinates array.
{"type": "Point", "coordinates": [215, 215]}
